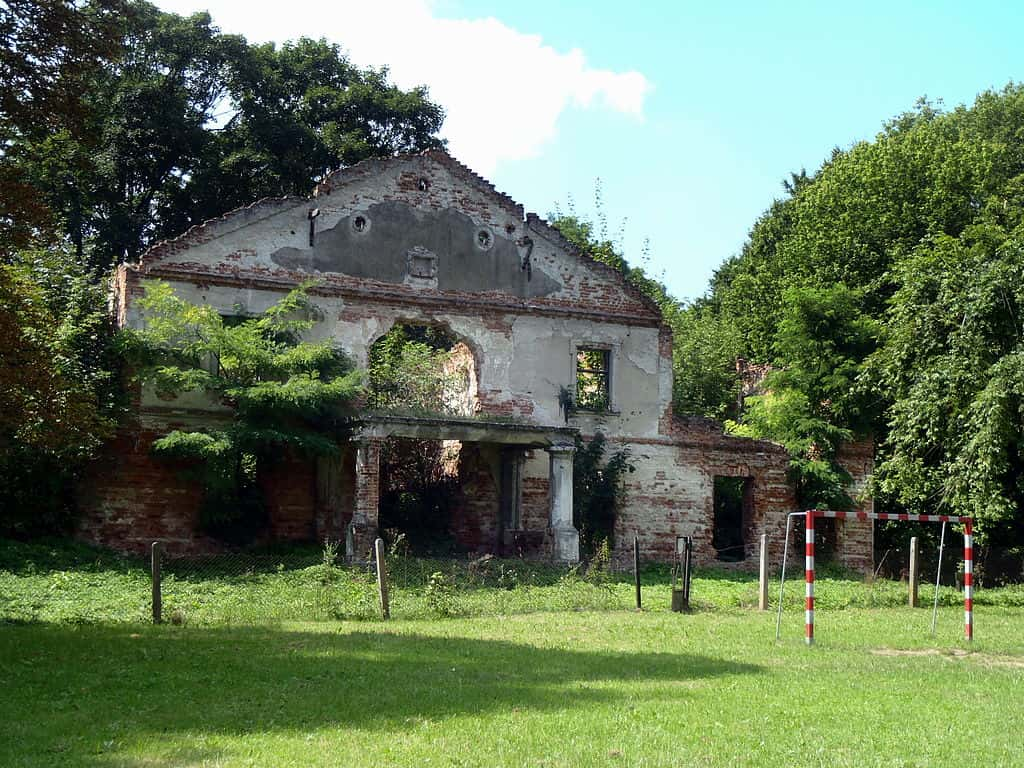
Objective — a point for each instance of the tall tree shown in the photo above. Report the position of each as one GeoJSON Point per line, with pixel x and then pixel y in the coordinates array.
{"type": "Point", "coordinates": [58, 390]}
{"type": "Point", "coordinates": [923, 224]}
{"type": "Point", "coordinates": [188, 123]}
{"type": "Point", "coordinates": [49, 51]}
{"type": "Point", "coordinates": [279, 393]}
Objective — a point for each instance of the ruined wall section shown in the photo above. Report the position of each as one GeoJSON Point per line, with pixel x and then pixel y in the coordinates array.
{"type": "Point", "coordinates": [523, 322]}
{"type": "Point", "coordinates": [671, 492]}
{"type": "Point", "coordinates": [475, 512]}
{"type": "Point", "coordinates": [855, 539]}
{"type": "Point", "coordinates": [129, 499]}
{"type": "Point", "coordinates": [521, 360]}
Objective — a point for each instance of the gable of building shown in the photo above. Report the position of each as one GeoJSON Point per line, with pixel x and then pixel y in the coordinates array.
{"type": "Point", "coordinates": [423, 225]}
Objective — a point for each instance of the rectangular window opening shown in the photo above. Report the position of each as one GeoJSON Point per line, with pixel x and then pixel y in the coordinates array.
{"type": "Point", "coordinates": [593, 379]}
{"type": "Point", "coordinates": [733, 505]}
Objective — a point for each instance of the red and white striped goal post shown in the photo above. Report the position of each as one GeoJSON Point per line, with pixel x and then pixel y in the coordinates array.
{"type": "Point", "coordinates": [811, 514]}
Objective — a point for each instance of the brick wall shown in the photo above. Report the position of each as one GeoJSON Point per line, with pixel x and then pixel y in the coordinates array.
{"type": "Point", "coordinates": [289, 491]}
{"type": "Point", "coordinates": [129, 499]}
{"type": "Point", "coordinates": [474, 519]}
{"type": "Point", "coordinates": [855, 540]}
{"type": "Point", "coordinates": [671, 493]}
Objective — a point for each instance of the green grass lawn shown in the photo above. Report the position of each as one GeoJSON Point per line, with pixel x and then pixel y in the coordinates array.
{"type": "Point", "coordinates": [555, 671]}
{"type": "Point", "coordinates": [546, 689]}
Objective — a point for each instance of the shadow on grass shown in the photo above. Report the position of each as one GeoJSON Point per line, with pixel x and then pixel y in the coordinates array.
{"type": "Point", "coordinates": [83, 694]}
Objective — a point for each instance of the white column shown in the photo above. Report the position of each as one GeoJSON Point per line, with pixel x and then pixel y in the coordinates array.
{"type": "Point", "coordinates": [565, 538]}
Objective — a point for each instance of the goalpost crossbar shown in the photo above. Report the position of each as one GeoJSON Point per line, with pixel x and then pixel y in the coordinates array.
{"type": "Point", "coordinates": [968, 523]}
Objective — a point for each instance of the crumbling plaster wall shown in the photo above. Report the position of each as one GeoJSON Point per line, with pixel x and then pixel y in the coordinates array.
{"type": "Point", "coordinates": [521, 360]}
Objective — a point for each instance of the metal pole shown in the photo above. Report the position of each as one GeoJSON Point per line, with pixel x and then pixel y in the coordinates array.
{"type": "Point", "coordinates": [938, 574]}
{"type": "Point", "coordinates": [762, 578]}
{"type": "Point", "coordinates": [154, 565]}
{"type": "Point", "coordinates": [968, 580]}
{"type": "Point", "coordinates": [687, 572]}
{"type": "Point", "coordinates": [809, 577]}
{"type": "Point", "coordinates": [913, 574]}
{"type": "Point", "coordinates": [782, 581]}
{"type": "Point", "coordinates": [636, 570]}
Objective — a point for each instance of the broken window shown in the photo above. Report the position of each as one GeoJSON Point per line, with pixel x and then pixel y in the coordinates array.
{"type": "Point", "coordinates": [733, 503]}
{"type": "Point", "coordinates": [593, 379]}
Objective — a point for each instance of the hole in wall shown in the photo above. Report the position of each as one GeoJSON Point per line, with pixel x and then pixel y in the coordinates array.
{"type": "Point", "coordinates": [422, 184]}
{"type": "Point", "coordinates": [360, 224]}
{"type": "Point", "coordinates": [484, 239]}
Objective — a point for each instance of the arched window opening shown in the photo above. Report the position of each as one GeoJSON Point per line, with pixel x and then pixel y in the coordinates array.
{"type": "Point", "coordinates": [422, 370]}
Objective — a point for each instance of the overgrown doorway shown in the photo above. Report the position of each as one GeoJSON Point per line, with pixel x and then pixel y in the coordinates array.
{"type": "Point", "coordinates": [733, 505]}
{"type": "Point", "coordinates": [420, 370]}
{"type": "Point", "coordinates": [418, 490]}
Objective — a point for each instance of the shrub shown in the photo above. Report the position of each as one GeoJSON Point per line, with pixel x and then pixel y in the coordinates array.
{"type": "Point", "coordinates": [440, 595]}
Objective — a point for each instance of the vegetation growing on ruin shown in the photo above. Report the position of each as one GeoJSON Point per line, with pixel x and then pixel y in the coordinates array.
{"type": "Point", "coordinates": [413, 370]}
{"type": "Point", "coordinates": [598, 475]}
{"type": "Point", "coordinates": [280, 394]}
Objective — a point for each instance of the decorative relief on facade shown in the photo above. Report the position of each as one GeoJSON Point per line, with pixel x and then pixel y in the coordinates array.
{"type": "Point", "coordinates": [421, 267]}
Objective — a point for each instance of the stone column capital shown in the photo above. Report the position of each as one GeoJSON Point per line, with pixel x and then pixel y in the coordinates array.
{"type": "Point", "coordinates": [562, 448]}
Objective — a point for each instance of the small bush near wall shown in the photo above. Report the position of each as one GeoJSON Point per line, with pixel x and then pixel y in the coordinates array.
{"type": "Point", "coordinates": [597, 490]}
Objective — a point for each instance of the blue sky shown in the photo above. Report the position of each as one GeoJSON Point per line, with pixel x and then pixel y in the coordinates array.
{"type": "Point", "coordinates": [690, 113]}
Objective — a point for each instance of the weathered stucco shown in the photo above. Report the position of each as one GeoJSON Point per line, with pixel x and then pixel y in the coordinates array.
{"type": "Point", "coordinates": [422, 239]}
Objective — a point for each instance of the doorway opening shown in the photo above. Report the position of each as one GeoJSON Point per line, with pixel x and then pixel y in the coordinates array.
{"type": "Point", "coordinates": [733, 505]}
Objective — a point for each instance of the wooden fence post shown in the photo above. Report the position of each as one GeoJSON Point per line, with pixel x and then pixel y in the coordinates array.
{"type": "Point", "coordinates": [154, 569]}
{"type": "Point", "coordinates": [762, 595]}
{"type": "Point", "coordinates": [913, 572]}
{"type": "Point", "coordinates": [382, 578]}
{"type": "Point", "coordinates": [636, 570]}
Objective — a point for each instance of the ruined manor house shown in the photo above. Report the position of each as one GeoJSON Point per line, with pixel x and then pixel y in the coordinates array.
{"type": "Point", "coordinates": [423, 240]}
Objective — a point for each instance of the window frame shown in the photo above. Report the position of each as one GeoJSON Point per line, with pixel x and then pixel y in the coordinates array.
{"type": "Point", "coordinates": [608, 350]}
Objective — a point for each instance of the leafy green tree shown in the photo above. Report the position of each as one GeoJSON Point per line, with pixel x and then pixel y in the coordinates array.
{"type": "Point", "coordinates": [705, 350]}
{"type": "Point", "coordinates": [822, 338]}
{"type": "Point", "coordinates": [58, 395]}
{"type": "Point", "coordinates": [49, 51]}
{"type": "Point", "coordinates": [277, 394]}
{"type": "Point", "coordinates": [186, 123]}
{"type": "Point", "coordinates": [811, 403]}
{"type": "Point", "coordinates": [921, 225]}
{"type": "Point", "coordinates": [953, 366]}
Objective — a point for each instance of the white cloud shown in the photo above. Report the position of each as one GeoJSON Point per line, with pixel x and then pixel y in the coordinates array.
{"type": "Point", "coordinates": [503, 90]}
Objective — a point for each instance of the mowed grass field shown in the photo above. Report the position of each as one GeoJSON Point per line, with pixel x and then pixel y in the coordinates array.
{"type": "Point", "coordinates": [573, 688]}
